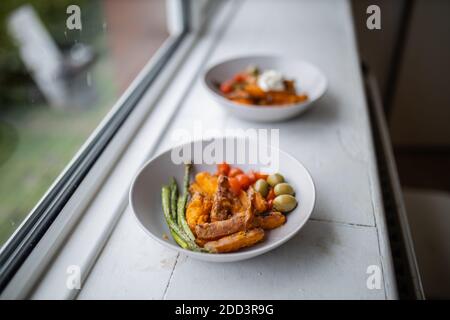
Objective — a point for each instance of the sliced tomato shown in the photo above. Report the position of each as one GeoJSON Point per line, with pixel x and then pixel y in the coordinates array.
{"type": "Point", "coordinates": [226, 87]}
{"type": "Point", "coordinates": [239, 77]}
{"type": "Point", "coordinates": [234, 172]}
{"type": "Point", "coordinates": [243, 180]}
{"type": "Point", "coordinates": [252, 176]}
{"type": "Point", "coordinates": [260, 175]}
{"type": "Point", "coordinates": [234, 185]}
{"type": "Point", "coordinates": [223, 168]}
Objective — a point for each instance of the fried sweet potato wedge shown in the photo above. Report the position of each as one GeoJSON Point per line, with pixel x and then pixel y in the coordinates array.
{"type": "Point", "coordinates": [201, 242]}
{"type": "Point", "coordinates": [283, 97]}
{"type": "Point", "coordinates": [260, 203]}
{"type": "Point", "coordinates": [242, 100]}
{"type": "Point", "coordinates": [223, 200]}
{"type": "Point", "coordinates": [218, 229]}
{"type": "Point", "coordinates": [243, 199]}
{"type": "Point", "coordinates": [240, 203]}
{"type": "Point", "coordinates": [239, 222]}
{"type": "Point", "coordinates": [205, 183]}
{"type": "Point", "coordinates": [254, 90]}
{"type": "Point", "coordinates": [235, 241]}
{"type": "Point", "coordinates": [198, 210]}
{"type": "Point", "coordinates": [270, 221]}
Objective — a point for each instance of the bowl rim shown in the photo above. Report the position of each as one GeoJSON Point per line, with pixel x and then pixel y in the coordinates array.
{"type": "Point", "coordinates": [258, 107]}
{"type": "Point", "coordinates": [251, 252]}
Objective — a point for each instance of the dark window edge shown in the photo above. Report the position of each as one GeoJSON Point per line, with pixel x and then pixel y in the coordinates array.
{"type": "Point", "coordinates": [406, 275]}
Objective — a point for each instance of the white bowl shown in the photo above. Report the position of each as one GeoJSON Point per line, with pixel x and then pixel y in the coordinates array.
{"type": "Point", "coordinates": [308, 79]}
{"type": "Point", "coordinates": [145, 200]}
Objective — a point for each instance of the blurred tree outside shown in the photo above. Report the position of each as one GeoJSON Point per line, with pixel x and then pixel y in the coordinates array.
{"type": "Point", "coordinates": [36, 141]}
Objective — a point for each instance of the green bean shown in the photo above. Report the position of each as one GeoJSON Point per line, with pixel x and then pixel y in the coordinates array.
{"type": "Point", "coordinates": [182, 204]}
{"type": "Point", "coordinates": [173, 226]}
{"type": "Point", "coordinates": [178, 239]}
{"type": "Point", "coordinates": [187, 173]}
{"type": "Point", "coordinates": [166, 209]}
{"type": "Point", "coordinates": [173, 198]}
{"type": "Point", "coordinates": [180, 209]}
{"type": "Point", "coordinates": [183, 199]}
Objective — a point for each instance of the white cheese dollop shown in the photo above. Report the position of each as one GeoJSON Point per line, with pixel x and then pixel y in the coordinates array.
{"type": "Point", "coordinates": [271, 80]}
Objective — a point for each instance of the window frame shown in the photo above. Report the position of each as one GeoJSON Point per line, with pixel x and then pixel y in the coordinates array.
{"type": "Point", "coordinates": [26, 237]}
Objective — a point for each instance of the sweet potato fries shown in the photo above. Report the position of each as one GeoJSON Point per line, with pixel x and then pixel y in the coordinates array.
{"type": "Point", "coordinates": [230, 219]}
{"type": "Point", "coordinates": [224, 214]}
{"type": "Point", "coordinates": [244, 88]}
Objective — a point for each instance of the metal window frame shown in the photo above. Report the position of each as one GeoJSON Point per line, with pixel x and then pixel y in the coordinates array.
{"type": "Point", "coordinates": [16, 250]}
{"type": "Point", "coordinates": [409, 283]}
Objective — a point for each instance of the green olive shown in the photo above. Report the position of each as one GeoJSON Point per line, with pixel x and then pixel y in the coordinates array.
{"type": "Point", "coordinates": [275, 179]}
{"type": "Point", "coordinates": [283, 188]}
{"type": "Point", "coordinates": [284, 203]}
{"type": "Point", "coordinates": [262, 187]}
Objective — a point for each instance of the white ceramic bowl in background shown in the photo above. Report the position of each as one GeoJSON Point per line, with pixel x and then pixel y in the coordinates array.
{"type": "Point", "coordinates": [308, 79]}
{"type": "Point", "coordinates": [145, 200]}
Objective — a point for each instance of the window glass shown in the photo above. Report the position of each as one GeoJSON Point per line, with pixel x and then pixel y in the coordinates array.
{"type": "Point", "coordinates": [63, 64]}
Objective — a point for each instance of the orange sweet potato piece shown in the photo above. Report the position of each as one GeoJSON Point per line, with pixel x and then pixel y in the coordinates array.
{"type": "Point", "coordinates": [254, 91]}
{"type": "Point", "coordinates": [235, 241]}
{"type": "Point", "coordinates": [198, 210]}
{"type": "Point", "coordinates": [220, 228]}
{"type": "Point", "coordinates": [270, 221]}
{"type": "Point", "coordinates": [242, 100]}
{"type": "Point", "coordinates": [260, 203]}
{"type": "Point", "coordinates": [205, 183]}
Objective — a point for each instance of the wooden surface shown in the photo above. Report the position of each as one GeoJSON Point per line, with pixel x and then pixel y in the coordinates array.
{"type": "Point", "coordinates": [330, 256]}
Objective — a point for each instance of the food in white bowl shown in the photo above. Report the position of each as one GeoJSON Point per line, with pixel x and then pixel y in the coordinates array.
{"type": "Point", "coordinates": [302, 85]}
{"type": "Point", "coordinates": [146, 204]}
{"type": "Point", "coordinates": [226, 210]}
{"type": "Point", "coordinates": [257, 87]}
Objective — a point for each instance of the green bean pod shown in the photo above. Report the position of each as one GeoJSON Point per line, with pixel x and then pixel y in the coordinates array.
{"type": "Point", "coordinates": [178, 239]}
{"type": "Point", "coordinates": [165, 194]}
{"type": "Point", "coordinates": [173, 198]}
{"type": "Point", "coordinates": [182, 201]}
